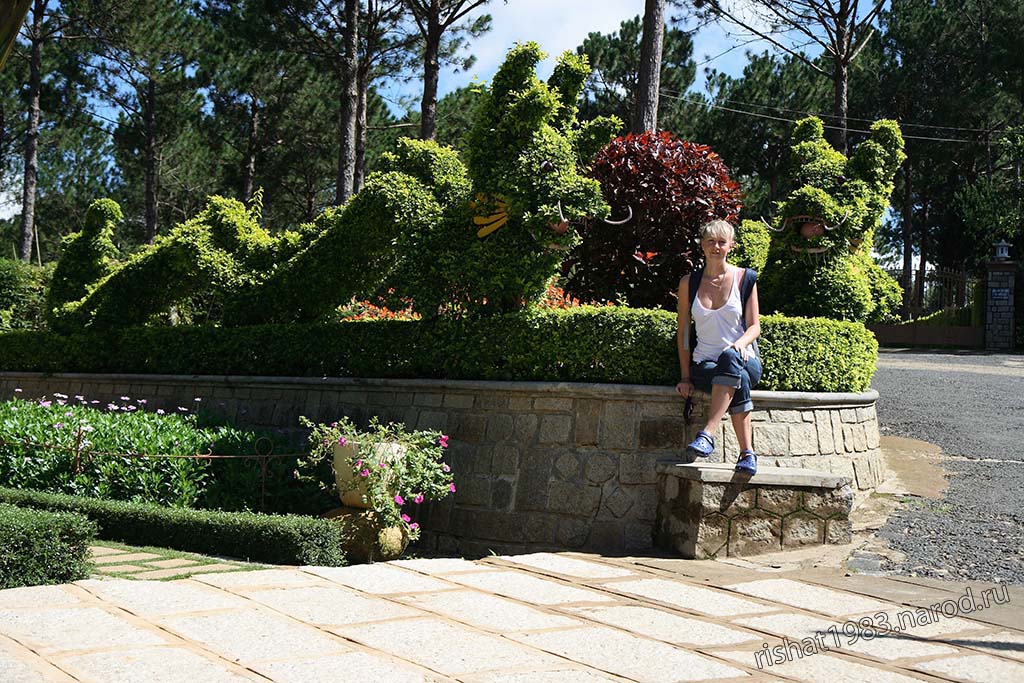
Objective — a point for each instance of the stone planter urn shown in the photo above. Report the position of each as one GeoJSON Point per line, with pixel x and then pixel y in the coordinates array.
{"type": "Point", "coordinates": [368, 541]}
{"type": "Point", "coordinates": [344, 473]}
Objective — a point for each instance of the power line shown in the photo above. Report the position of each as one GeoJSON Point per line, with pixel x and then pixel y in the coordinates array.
{"type": "Point", "coordinates": [786, 120]}
{"type": "Point", "coordinates": [903, 124]}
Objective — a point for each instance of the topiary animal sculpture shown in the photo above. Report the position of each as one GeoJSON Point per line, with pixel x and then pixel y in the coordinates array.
{"type": "Point", "coordinates": [456, 238]}
{"type": "Point", "coordinates": [820, 260]}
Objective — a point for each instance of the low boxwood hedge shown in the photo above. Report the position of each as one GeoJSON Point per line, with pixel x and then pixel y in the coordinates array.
{"type": "Point", "coordinates": [585, 344]}
{"type": "Point", "coordinates": [275, 539]}
{"type": "Point", "coordinates": [39, 547]}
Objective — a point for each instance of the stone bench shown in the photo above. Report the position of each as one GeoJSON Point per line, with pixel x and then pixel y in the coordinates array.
{"type": "Point", "coordinates": [709, 510]}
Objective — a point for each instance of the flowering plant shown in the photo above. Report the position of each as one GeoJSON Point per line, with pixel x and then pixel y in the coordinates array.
{"type": "Point", "coordinates": [396, 468]}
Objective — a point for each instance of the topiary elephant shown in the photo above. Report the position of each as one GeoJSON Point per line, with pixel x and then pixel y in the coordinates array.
{"type": "Point", "coordinates": [480, 236]}
{"type": "Point", "coordinates": [820, 262]}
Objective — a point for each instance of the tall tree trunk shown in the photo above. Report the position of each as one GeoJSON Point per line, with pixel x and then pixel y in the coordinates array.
{"type": "Point", "coordinates": [360, 169]}
{"type": "Point", "coordinates": [841, 81]}
{"type": "Point", "coordinates": [250, 152]}
{"type": "Point", "coordinates": [150, 160]}
{"type": "Point", "coordinates": [645, 116]}
{"type": "Point", "coordinates": [431, 73]}
{"type": "Point", "coordinates": [29, 183]}
{"type": "Point", "coordinates": [349, 105]}
{"type": "Point", "coordinates": [908, 240]}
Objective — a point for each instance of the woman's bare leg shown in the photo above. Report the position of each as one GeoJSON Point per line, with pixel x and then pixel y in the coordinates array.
{"type": "Point", "coordinates": [744, 431]}
{"type": "Point", "coordinates": [721, 397]}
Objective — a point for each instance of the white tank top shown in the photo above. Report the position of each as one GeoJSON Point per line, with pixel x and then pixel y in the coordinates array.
{"type": "Point", "coordinates": [718, 328]}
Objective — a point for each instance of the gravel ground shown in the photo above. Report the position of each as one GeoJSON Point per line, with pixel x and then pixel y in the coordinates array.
{"type": "Point", "coordinates": [972, 406]}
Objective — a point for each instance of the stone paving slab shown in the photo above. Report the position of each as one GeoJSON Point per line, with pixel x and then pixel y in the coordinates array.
{"type": "Point", "coordinates": [261, 578]}
{"type": "Point", "coordinates": [975, 668]}
{"type": "Point", "coordinates": [811, 598]}
{"type": "Point", "coordinates": [487, 612]}
{"type": "Point", "coordinates": [635, 658]}
{"type": "Point", "coordinates": [20, 665]}
{"type": "Point", "coordinates": [530, 589]}
{"type": "Point", "coordinates": [347, 666]}
{"type": "Point", "coordinates": [37, 596]}
{"type": "Point", "coordinates": [172, 563]}
{"type": "Point", "coordinates": [101, 550]}
{"type": "Point", "coordinates": [1004, 643]}
{"type": "Point", "coordinates": [441, 565]}
{"type": "Point", "coordinates": [249, 635]}
{"type": "Point", "coordinates": [690, 597]}
{"type": "Point", "coordinates": [164, 664]}
{"type": "Point", "coordinates": [186, 571]}
{"type": "Point", "coordinates": [446, 648]}
{"type": "Point", "coordinates": [380, 579]}
{"type": "Point", "coordinates": [885, 646]}
{"type": "Point", "coordinates": [124, 557]}
{"type": "Point", "coordinates": [62, 629]}
{"type": "Point", "coordinates": [162, 598]}
{"type": "Point", "coordinates": [666, 626]}
{"type": "Point", "coordinates": [567, 566]}
{"type": "Point", "coordinates": [120, 568]}
{"type": "Point", "coordinates": [328, 605]}
{"type": "Point", "coordinates": [826, 668]}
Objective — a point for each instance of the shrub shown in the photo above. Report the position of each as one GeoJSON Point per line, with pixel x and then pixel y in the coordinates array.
{"type": "Point", "coordinates": [87, 256]}
{"type": "Point", "coordinates": [23, 295]}
{"type": "Point", "coordinates": [67, 445]}
{"type": "Point", "coordinates": [752, 242]}
{"type": "Point", "coordinates": [673, 187]}
{"type": "Point", "coordinates": [39, 547]}
{"type": "Point", "coordinates": [277, 539]}
{"type": "Point", "coordinates": [580, 344]}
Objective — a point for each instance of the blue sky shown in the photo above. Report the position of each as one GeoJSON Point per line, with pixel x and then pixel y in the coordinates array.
{"type": "Point", "coordinates": [560, 25]}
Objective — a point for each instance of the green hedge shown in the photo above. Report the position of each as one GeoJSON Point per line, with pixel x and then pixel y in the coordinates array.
{"type": "Point", "coordinates": [585, 344]}
{"type": "Point", "coordinates": [284, 539]}
{"type": "Point", "coordinates": [39, 547]}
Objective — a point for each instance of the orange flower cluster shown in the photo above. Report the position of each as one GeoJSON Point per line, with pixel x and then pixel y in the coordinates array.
{"type": "Point", "coordinates": [365, 310]}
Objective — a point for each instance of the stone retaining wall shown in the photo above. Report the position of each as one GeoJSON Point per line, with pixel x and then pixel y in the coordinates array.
{"type": "Point", "coordinates": [538, 465]}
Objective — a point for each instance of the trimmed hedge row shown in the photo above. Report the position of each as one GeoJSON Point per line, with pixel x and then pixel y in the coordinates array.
{"type": "Point", "coordinates": [39, 547]}
{"type": "Point", "coordinates": [585, 344]}
{"type": "Point", "coordinates": [275, 539]}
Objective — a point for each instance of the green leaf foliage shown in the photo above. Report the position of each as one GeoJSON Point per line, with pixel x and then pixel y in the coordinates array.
{"type": "Point", "coordinates": [23, 289]}
{"type": "Point", "coordinates": [39, 548]}
{"type": "Point", "coordinates": [752, 243]}
{"type": "Point", "coordinates": [585, 344]}
{"type": "Point", "coordinates": [276, 539]}
{"type": "Point", "coordinates": [88, 256]}
{"type": "Point", "coordinates": [820, 261]}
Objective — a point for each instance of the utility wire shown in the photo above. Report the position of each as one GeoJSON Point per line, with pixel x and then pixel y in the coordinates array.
{"type": "Point", "coordinates": [786, 120]}
{"type": "Point", "coordinates": [848, 118]}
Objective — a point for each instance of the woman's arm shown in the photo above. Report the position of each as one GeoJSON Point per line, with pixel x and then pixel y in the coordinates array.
{"type": "Point", "coordinates": [753, 318]}
{"type": "Point", "coordinates": [685, 386]}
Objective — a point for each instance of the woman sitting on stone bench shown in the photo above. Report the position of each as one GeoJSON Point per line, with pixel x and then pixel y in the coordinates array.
{"type": "Point", "coordinates": [721, 299]}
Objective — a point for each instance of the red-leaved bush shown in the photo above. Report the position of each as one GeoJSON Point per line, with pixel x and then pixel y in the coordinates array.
{"type": "Point", "coordinates": [673, 187]}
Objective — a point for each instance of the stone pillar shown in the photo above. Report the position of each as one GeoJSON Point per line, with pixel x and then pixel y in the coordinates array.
{"type": "Point", "coordinates": [999, 307]}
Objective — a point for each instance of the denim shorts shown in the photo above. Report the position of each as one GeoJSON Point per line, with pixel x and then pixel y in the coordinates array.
{"type": "Point", "coordinates": [732, 371]}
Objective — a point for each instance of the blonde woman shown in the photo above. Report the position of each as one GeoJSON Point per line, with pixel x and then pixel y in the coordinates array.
{"type": "Point", "coordinates": [721, 300]}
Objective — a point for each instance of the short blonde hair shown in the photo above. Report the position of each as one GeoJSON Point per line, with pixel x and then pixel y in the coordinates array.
{"type": "Point", "coordinates": [718, 228]}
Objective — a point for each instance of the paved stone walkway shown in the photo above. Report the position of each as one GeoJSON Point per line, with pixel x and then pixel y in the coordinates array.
{"type": "Point", "coordinates": [130, 563]}
{"type": "Point", "coordinates": [531, 618]}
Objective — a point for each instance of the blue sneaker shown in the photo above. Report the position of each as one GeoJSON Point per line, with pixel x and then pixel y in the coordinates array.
{"type": "Point", "coordinates": [703, 445]}
{"type": "Point", "coordinates": [747, 462]}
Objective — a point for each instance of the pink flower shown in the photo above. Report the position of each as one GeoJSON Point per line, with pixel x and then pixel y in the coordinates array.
{"type": "Point", "coordinates": [451, 487]}
{"type": "Point", "coordinates": [445, 468]}
{"type": "Point", "coordinates": [62, 402]}
{"type": "Point", "coordinates": [400, 500]}
{"type": "Point", "coordinates": [45, 404]}
{"type": "Point", "coordinates": [126, 398]}
{"type": "Point", "coordinates": [342, 441]}
{"type": "Point", "coordinates": [141, 401]}
{"type": "Point", "coordinates": [159, 411]}
{"type": "Point", "coordinates": [443, 441]}
{"type": "Point", "coordinates": [406, 518]}
{"type": "Point", "coordinates": [359, 463]}
{"type": "Point", "coordinates": [111, 406]}
{"type": "Point", "coordinates": [79, 398]}
{"type": "Point", "coordinates": [56, 395]}
{"type": "Point", "coordinates": [364, 473]}
{"type": "Point", "coordinates": [418, 498]}
{"type": "Point", "coordinates": [18, 391]}
{"type": "Point", "coordinates": [58, 425]}
{"type": "Point", "coordinates": [382, 464]}
{"type": "Point", "coordinates": [414, 525]}
{"type": "Point", "coordinates": [197, 400]}
{"type": "Point", "coordinates": [183, 409]}
{"type": "Point", "coordinates": [93, 402]}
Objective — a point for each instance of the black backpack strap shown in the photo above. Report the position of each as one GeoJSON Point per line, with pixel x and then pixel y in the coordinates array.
{"type": "Point", "coordinates": [695, 278]}
{"type": "Point", "coordinates": [749, 279]}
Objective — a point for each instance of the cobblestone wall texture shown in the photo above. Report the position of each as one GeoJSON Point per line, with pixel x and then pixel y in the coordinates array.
{"type": "Point", "coordinates": [538, 465]}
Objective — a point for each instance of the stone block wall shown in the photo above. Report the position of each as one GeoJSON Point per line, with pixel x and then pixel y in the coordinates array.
{"type": "Point", "coordinates": [703, 520]}
{"type": "Point", "coordinates": [999, 314]}
{"type": "Point", "coordinates": [538, 465]}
